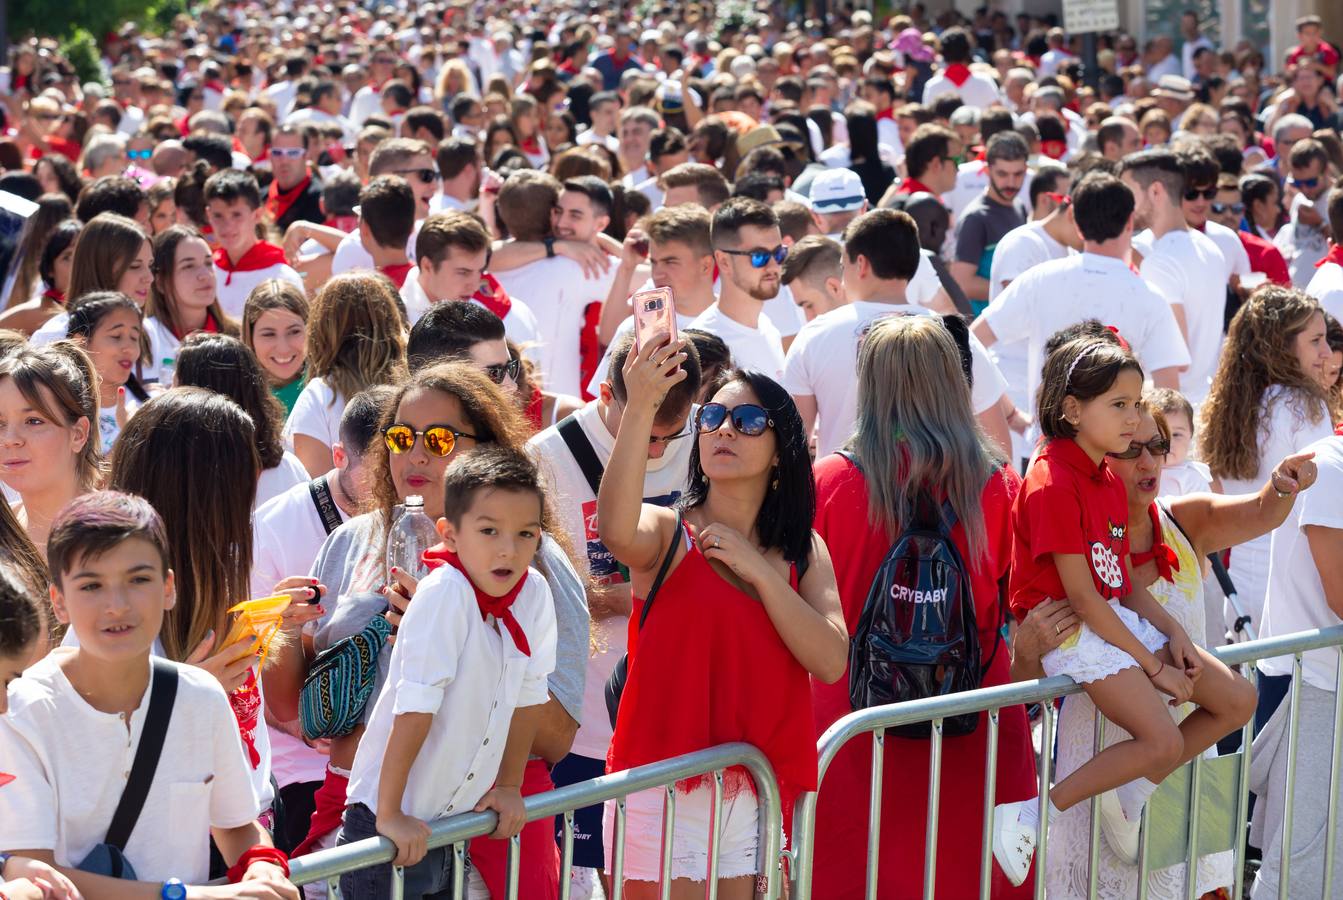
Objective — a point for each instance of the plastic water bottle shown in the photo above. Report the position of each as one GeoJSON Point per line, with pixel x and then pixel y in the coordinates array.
{"type": "Point", "coordinates": [412, 533]}
{"type": "Point", "coordinates": [167, 369]}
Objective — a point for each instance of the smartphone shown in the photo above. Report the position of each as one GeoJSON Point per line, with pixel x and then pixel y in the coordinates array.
{"type": "Point", "coordinates": [654, 311]}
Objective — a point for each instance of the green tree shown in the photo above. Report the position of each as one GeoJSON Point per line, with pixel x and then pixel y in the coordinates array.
{"type": "Point", "coordinates": [62, 18]}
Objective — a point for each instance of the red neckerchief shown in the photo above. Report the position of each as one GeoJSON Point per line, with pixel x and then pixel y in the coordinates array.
{"type": "Point", "coordinates": [914, 186]}
{"type": "Point", "coordinates": [278, 202]}
{"type": "Point", "coordinates": [1054, 149]}
{"type": "Point", "coordinates": [982, 155]}
{"type": "Point", "coordinates": [533, 410]}
{"type": "Point", "coordinates": [53, 294]}
{"type": "Point", "coordinates": [343, 223]}
{"type": "Point", "coordinates": [183, 126]}
{"type": "Point", "coordinates": [397, 272]}
{"type": "Point", "coordinates": [217, 86]}
{"type": "Point", "coordinates": [263, 255]}
{"type": "Point", "coordinates": [499, 607]}
{"type": "Point", "coordinates": [957, 73]}
{"type": "Point", "coordinates": [1335, 255]}
{"type": "Point", "coordinates": [211, 326]}
{"type": "Point", "coordinates": [492, 296]}
{"type": "Point", "coordinates": [531, 146]}
{"type": "Point", "coordinates": [886, 114]}
{"type": "Point", "coordinates": [1167, 563]}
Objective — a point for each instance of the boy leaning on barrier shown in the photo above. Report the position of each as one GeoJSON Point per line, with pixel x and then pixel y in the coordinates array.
{"type": "Point", "coordinates": [84, 718]}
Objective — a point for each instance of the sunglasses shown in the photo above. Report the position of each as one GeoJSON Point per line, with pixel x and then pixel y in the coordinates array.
{"type": "Point", "coordinates": [747, 418]}
{"type": "Point", "coordinates": [1206, 194]}
{"type": "Point", "coordinates": [499, 371]}
{"type": "Point", "coordinates": [1304, 182]}
{"type": "Point", "coordinates": [139, 154]}
{"type": "Point", "coordinates": [438, 439]}
{"type": "Point", "coordinates": [1235, 209]}
{"type": "Point", "coordinates": [287, 152]}
{"type": "Point", "coordinates": [760, 258]}
{"type": "Point", "coordinates": [1157, 447]}
{"type": "Point", "coordinates": [426, 176]}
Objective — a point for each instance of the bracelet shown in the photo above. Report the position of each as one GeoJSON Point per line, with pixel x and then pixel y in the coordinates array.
{"type": "Point", "coordinates": [1158, 671]}
{"type": "Point", "coordinates": [1273, 483]}
{"type": "Point", "coordinates": [258, 853]}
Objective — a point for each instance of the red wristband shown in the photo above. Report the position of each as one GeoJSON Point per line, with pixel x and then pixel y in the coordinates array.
{"type": "Point", "coordinates": [258, 853]}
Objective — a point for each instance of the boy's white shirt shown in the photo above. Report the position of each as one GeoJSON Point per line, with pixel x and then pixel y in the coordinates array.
{"type": "Point", "coordinates": [450, 662]}
{"type": "Point", "coordinates": [70, 763]}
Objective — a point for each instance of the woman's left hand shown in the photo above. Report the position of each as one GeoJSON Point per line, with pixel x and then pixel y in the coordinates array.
{"type": "Point", "coordinates": [728, 546]}
{"type": "Point", "coordinates": [305, 595]}
{"type": "Point", "coordinates": [1184, 654]}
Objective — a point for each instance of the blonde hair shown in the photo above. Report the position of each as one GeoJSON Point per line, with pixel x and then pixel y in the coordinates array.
{"type": "Point", "coordinates": [916, 431]}
{"type": "Point", "coordinates": [459, 68]}
{"type": "Point", "coordinates": [356, 337]}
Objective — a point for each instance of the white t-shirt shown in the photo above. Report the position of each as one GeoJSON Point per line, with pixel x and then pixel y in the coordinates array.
{"type": "Point", "coordinates": [163, 344]}
{"type": "Point", "coordinates": [316, 413]}
{"type": "Point", "coordinates": [758, 349]}
{"type": "Point", "coordinates": [1296, 600]}
{"type": "Point", "coordinates": [519, 324]}
{"type": "Point", "coordinates": [971, 179]}
{"type": "Point", "coordinates": [1233, 251]}
{"type": "Point", "coordinates": [275, 481]}
{"type": "Point", "coordinates": [1044, 301]}
{"type": "Point", "coordinates": [665, 479]}
{"type": "Point", "coordinates": [287, 533]}
{"type": "Point", "coordinates": [823, 363]}
{"type": "Point", "coordinates": [1189, 477]}
{"type": "Point", "coordinates": [649, 188]}
{"type": "Point", "coordinates": [925, 283]}
{"type": "Point", "coordinates": [233, 287]}
{"type": "Point", "coordinates": [978, 90]}
{"type": "Point", "coordinates": [1303, 245]}
{"type": "Point", "coordinates": [351, 255]}
{"type": "Point", "coordinates": [1176, 266]}
{"type": "Point", "coordinates": [558, 293]}
{"type": "Point", "coordinates": [449, 662]}
{"type": "Point", "coordinates": [367, 102]}
{"type": "Point", "coordinates": [610, 141]}
{"type": "Point", "coordinates": [683, 322]}
{"type": "Point", "coordinates": [70, 763]}
{"type": "Point", "coordinates": [1327, 287]}
{"type": "Point", "coordinates": [108, 428]}
{"type": "Point", "coordinates": [783, 312]}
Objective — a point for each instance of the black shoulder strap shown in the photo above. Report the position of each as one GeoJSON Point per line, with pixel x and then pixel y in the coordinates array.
{"type": "Point", "coordinates": [581, 449]}
{"type": "Point", "coordinates": [162, 694]}
{"type": "Point", "coordinates": [662, 570]}
{"type": "Point", "coordinates": [326, 506]}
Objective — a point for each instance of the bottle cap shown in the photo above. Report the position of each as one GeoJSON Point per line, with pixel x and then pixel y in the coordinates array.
{"type": "Point", "coordinates": [414, 500]}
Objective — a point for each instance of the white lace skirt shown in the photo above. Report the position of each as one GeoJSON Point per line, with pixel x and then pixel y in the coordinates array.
{"type": "Point", "coordinates": [1087, 657]}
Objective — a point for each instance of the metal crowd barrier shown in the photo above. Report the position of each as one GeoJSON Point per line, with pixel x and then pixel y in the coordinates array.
{"type": "Point", "coordinates": [329, 865]}
{"type": "Point", "coordinates": [1182, 791]}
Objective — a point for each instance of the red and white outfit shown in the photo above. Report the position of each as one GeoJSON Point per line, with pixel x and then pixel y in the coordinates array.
{"type": "Point", "coordinates": [519, 322]}
{"type": "Point", "coordinates": [976, 90]}
{"type": "Point", "coordinates": [1069, 504]}
{"type": "Point", "coordinates": [1326, 285]}
{"type": "Point", "coordinates": [235, 279]}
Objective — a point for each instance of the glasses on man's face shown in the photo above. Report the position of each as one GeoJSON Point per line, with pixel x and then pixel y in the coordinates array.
{"type": "Point", "coordinates": [499, 371]}
{"type": "Point", "coordinates": [425, 175]}
{"type": "Point", "coordinates": [1157, 447]}
{"type": "Point", "coordinates": [139, 155]}
{"type": "Point", "coordinates": [1307, 183]}
{"type": "Point", "coordinates": [759, 257]}
{"type": "Point", "coordinates": [749, 419]}
{"type": "Point", "coordinates": [439, 440]}
{"type": "Point", "coordinates": [1236, 209]}
{"type": "Point", "coordinates": [47, 117]}
{"type": "Point", "coordinates": [1194, 193]}
{"type": "Point", "coordinates": [287, 152]}
{"type": "Point", "coordinates": [383, 61]}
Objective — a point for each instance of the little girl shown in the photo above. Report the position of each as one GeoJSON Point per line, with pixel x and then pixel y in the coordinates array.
{"type": "Point", "coordinates": [1070, 523]}
{"type": "Point", "coordinates": [109, 325]}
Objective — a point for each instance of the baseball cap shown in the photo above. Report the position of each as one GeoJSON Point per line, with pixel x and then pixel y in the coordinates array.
{"type": "Point", "coordinates": [836, 191]}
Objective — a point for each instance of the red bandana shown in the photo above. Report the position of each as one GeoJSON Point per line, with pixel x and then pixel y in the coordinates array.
{"type": "Point", "coordinates": [278, 202]}
{"type": "Point", "coordinates": [531, 146]}
{"type": "Point", "coordinates": [263, 255]}
{"type": "Point", "coordinates": [217, 86]}
{"type": "Point", "coordinates": [914, 186]}
{"type": "Point", "coordinates": [1335, 255]}
{"type": "Point", "coordinates": [1167, 563]}
{"type": "Point", "coordinates": [396, 272]}
{"type": "Point", "coordinates": [957, 73]}
{"type": "Point", "coordinates": [53, 294]}
{"type": "Point", "coordinates": [211, 326]}
{"type": "Point", "coordinates": [499, 607]}
{"type": "Point", "coordinates": [492, 296]}
{"type": "Point", "coordinates": [343, 223]}
{"type": "Point", "coordinates": [886, 114]}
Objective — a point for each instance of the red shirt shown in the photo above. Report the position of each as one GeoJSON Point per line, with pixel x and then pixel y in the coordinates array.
{"type": "Point", "coordinates": [1325, 54]}
{"type": "Point", "coordinates": [1068, 504]}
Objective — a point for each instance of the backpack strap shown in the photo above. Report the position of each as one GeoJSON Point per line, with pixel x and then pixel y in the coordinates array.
{"type": "Point", "coordinates": [662, 570]}
{"type": "Point", "coordinates": [581, 450]}
{"type": "Point", "coordinates": [326, 506]}
{"type": "Point", "coordinates": [162, 694]}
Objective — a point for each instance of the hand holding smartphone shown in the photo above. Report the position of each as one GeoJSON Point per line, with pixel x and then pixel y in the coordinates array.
{"type": "Point", "coordinates": [654, 313]}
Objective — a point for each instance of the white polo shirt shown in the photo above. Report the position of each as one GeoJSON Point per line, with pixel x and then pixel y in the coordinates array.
{"type": "Point", "coordinates": [1177, 267]}
{"type": "Point", "coordinates": [1045, 300]}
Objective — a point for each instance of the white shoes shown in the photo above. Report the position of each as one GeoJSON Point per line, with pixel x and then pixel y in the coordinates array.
{"type": "Point", "coordinates": [1013, 842]}
{"type": "Point", "coordinates": [1120, 833]}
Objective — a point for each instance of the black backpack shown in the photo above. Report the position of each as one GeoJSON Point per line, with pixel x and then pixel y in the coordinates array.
{"type": "Point", "coordinates": [917, 636]}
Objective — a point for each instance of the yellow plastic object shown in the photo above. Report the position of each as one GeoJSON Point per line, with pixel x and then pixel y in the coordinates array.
{"type": "Point", "coordinates": [259, 618]}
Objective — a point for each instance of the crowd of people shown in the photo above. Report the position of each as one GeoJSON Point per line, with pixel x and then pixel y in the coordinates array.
{"type": "Point", "coordinates": [293, 281]}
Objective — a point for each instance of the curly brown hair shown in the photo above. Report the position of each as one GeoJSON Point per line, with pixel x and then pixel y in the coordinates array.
{"type": "Point", "coordinates": [1259, 353]}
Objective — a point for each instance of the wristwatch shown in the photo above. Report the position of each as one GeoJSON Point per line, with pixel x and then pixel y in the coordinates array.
{"type": "Point", "coordinates": [173, 889]}
{"type": "Point", "coordinates": [550, 247]}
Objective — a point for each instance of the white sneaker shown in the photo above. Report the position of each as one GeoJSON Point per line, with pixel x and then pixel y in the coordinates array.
{"type": "Point", "coordinates": [1120, 833]}
{"type": "Point", "coordinates": [1013, 843]}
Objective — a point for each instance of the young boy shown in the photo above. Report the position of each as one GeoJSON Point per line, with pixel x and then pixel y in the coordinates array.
{"type": "Point", "coordinates": [386, 219]}
{"type": "Point", "coordinates": [76, 719]}
{"type": "Point", "coordinates": [468, 674]}
{"type": "Point", "coordinates": [1180, 474]}
{"type": "Point", "coordinates": [242, 260]}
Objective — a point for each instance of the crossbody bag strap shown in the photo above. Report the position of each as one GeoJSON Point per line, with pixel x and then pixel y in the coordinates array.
{"type": "Point", "coordinates": [162, 694]}
{"type": "Point", "coordinates": [662, 570]}
{"type": "Point", "coordinates": [581, 450]}
{"type": "Point", "coordinates": [326, 505]}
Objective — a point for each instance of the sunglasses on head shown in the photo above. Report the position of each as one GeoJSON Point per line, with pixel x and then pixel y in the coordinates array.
{"type": "Point", "coordinates": [1206, 193]}
{"type": "Point", "coordinates": [426, 175]}
{"type": "Point", "coordinates": [1157, 447]}
{"type": "Point", "coordinates": [760, 258]}
{"type": "Point", "coordinates": [287, 152]}
{"type": "Point", "coordinates": [499, 371]}
{"type": "Point", "coordinates": [438, 439]}
{"type": "Point", "coordinates": [747, 418]}
{"type": "Point", "coordinates": [1235, 209]}
{"type": "Point", "coordinates": [139, 154]}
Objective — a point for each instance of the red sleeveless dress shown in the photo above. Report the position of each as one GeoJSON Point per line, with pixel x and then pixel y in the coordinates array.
{"type": "Point", "coordinates": [709, 668]}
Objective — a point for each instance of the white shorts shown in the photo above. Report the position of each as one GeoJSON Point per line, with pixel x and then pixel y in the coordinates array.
{"type": "Point", "coordinates": [738, 849]}
{"type": "Point", "coordinates": [1087, 657]}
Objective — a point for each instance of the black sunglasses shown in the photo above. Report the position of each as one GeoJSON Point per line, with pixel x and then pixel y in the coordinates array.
{"type": "Point", "coordinates": [761, 258]}
{"type": "Point", "coordinates": [1157, 447]}
{"type": "Point", "coordinates": [1207, 193]}
{"type": "Point", "coordinates": [499, 371]}
{"type": "Point", "coordinates": [1235, 209]}
{"type": "Point", "coordinates": [426, 175]}
{"type": "Point", "coordinates": [747, 418]}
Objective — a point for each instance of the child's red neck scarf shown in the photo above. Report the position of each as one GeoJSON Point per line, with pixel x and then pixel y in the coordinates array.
{"type": "Point", "coordinates": [499, 607]}
{"type": "Point", "coordinates": [1335, 255]}
{"type": "Point", "coordinates": [263, 255]}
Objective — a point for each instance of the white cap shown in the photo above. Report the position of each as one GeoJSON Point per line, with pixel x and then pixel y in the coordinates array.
{"type": "Point", "coordinates": [837, 191]}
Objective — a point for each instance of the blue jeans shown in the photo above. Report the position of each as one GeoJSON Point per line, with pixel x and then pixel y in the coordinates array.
{"type": "Point", "coordinates": [430, 878]}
